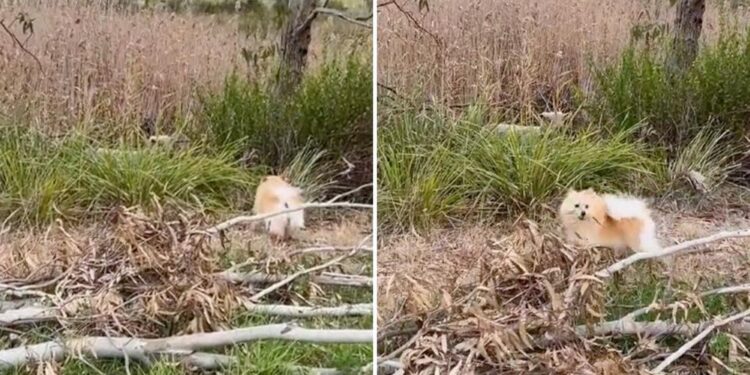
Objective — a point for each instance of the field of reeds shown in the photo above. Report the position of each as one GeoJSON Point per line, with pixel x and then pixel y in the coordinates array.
{"type": "Point", "coordinates": [128, 131]}
{"type": "Point", "coordinates": [489, 111]}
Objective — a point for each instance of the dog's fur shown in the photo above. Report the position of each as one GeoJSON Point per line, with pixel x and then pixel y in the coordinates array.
{"type": "Point", "coordinates": [618, 222]}
{"type": "Point", "coordinates": [275, 194]}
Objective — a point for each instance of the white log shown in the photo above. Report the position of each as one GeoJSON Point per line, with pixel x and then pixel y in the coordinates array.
{"type": "Point", "coordinates": [145, 349]}
{"type": "Point", "coordinates": [308, 311]}
{"type": "Point", "coordinates": [25, 315]}
{"type": "Point", "coordinates": [672, 250]}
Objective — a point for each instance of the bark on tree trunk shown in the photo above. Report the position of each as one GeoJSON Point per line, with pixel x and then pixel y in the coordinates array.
{"type": "Point", "coordinates": [294, 46]}
{"type": "Point", "coordinates": [687, 31]}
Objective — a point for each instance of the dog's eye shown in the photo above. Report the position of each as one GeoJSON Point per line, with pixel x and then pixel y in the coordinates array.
{"type": "Point", "coordinates": [587, 206]}
{"type": "Point", "coordinates": [577, 205]}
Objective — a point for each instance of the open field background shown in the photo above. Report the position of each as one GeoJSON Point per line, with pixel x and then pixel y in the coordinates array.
{"type": "Point", "coordinates": [108, 235]}
{"type": "Point", "coordinates": [472, 275]}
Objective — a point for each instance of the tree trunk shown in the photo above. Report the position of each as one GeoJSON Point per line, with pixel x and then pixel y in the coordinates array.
{"type": "Point", "coordinates": [294, 46]}
{"type": "Point", "coordinates": [687, 31]}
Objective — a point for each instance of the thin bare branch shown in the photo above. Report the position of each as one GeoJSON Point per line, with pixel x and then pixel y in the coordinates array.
{"type": "Point", "coordinates": [684, 348]}
{"type": "Point", "coordinates": [679, 248]}
{"type": "Point", "coordinates": [254, 218]}
{"type": "Point", "coordinates": [291, 278]}
{"type": "Point", "coordinates": [20, 45]}
{"type": "Point", "coordinates": [360, 21]}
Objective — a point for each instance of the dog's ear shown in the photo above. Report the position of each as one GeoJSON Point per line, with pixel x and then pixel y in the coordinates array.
{"type": "Point", "coordinates": [589, 190]}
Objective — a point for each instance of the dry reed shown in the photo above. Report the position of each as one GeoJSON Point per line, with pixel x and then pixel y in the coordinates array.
{"type": "Point", "coordinates": [519, 55]}
{"type": "Point", "coordinates": [104, 72]}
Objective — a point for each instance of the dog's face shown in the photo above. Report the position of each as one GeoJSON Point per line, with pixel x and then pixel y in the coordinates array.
{"type": "Point", "coordinates": [583, 205]}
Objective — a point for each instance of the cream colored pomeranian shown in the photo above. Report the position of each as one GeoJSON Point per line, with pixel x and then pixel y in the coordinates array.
{"type": "Point", "coordinates": [275, 194]}
{"type": "Point", "coordinates": [615, 221]}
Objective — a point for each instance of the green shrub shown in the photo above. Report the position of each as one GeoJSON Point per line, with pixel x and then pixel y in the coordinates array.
{"type": "Point", "coordinates": [676, 107]}
{"type": "Point", "coordinates": [135, 177]}
{"type": "Point", "coordinates": [33, 187]}
{"type": "Point", "coordinates": [435, 170]}
{"type": "Point", "coordinates": [42, 178]}
{"type": "Point", "coordinates": [331, 111]}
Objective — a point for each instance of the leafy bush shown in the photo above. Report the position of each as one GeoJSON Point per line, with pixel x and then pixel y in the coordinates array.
{"type": "Point", "coordinates": [435, 169]}
{"type": "Point", "coordinates": [331, 111]}
{"type": "Point", "coordinates": [676, 107]}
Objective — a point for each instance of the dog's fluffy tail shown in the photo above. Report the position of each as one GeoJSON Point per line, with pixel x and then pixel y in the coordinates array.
{"type": "Point", "coordinates": [288, 197]}
{"type": "Point", "coordinates": [626, 207]}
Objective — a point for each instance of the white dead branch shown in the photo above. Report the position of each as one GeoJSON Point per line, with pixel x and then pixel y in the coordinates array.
{"type": "Point", "coordinates": [655, 328]}
{"type": "Point", "coordinates": [684, 348]}
{"type": "Point", "coordinates": [679, 248]}
{"type": "Point", "coordinates": [144, 350]}
{"type": "Point", "coordinates": [25, 315]}
{"type": "Point", "coordinates": [329, 249]}
{"type": "Point", "coordinates": [264, 278]}
{"type": "Point", "coordinates": [308, 311]}
{"type": "Point", "coordinates": [297, 274]}
{"type": "Point", "coordinates": [520, 129]}
{"type": "Point", "coordinates": [254, 218]}
{"type": "Point", "coordinates": [647, 309]}
{"type": "Point", "coordinates": [19, 303]}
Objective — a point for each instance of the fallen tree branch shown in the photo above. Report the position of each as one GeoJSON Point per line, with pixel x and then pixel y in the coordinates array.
{"type": "Point", "coordinates": [250, 219]}
{"type": "Point", "coordinates": [19, 303]}
{"type": "Point", "coordinates": [325, 249]}
{"type": "Point", "coordinates": [609, 271]}
{"type": "Point", "coordinates": [25, 315]}
{"type": "Point", "coordinates": [684, 348]}
{"type": "Point", "coordinates": [144, 350]}
{"type": "Point", "coordinates": [647, 309]}
{"type": "Point", "coordinates": [297, 274]}
{"type": "Point", "coordinates": [308, 311]}
{"type": "Point", "coordinates": [656, 328]}
{"type": "Point", "coordinates": [263, 278]}
{"type": "Point", "coordinates": [360, 21]}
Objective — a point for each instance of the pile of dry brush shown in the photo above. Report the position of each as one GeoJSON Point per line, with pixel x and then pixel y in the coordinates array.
{"type": "Point", "coordinates": [539, 307]}
{"type": "Point", "coordinates": [129, 288]}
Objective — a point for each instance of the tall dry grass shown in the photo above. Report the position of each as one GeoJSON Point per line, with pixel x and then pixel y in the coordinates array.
{"type": "Point", "coordinates": [519, 55]}
{"type": "Point", "coordinates": [105, 70]}
{"type": "Point", "coordinates": [108, 69]}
